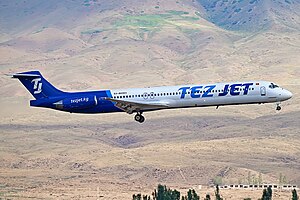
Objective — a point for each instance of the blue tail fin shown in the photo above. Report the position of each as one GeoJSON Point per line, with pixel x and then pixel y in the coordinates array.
{"type": "Point", "coordinates": [37, 85]}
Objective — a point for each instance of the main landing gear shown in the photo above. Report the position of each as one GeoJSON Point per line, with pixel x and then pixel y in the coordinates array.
{"type": "Point", "coordinates": [139, 117]}
{"type": "Point", "coordinates": [278, 107]}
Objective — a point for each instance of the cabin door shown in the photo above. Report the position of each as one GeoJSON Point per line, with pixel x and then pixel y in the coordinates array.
{"type": "Point", "coordinates": [263, 91]}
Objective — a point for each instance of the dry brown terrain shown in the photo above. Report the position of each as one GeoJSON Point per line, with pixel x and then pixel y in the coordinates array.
{"type": "Point", "coordinates": [92, 45]}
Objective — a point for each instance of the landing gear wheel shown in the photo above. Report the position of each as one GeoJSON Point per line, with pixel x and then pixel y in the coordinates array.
{"type": "Point", "coordinates": [139, 118]}
{"type": "Point", "coordinates": [278, 107]}
{"type": "Point", "coordinates": [142, 119]}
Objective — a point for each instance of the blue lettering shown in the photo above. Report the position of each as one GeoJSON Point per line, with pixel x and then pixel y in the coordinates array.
{"type": "Point", "coordinates": [210, 88]}
{"type": "Point", "coordinates": [194, 91]}
{"type": "Point", "coordinates": [234, 87]}
{"type": "Point", "coordinates": [247, 85]}
{"type": "Point", "coordinates": [225, 92]}
{"type": "Point", "coordinates": [183, 93]}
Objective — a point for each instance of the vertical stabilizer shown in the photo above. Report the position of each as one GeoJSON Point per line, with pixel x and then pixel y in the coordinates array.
{"type": "Point", "coordinates": [37, 85]}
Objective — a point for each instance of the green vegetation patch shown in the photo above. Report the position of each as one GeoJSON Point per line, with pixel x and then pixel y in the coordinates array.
{"type": "Point", "coordinates": [146, 25]}
{"type": "Point", "coordinates": [40, 30]}
{"type": "Point", "coordinates": [189, 31]}
{"type": "Point", "coordinates": [177, 12]}
{"type": "Point", "coordinates": [86, 3]}
{"type": "Point", "coordinates": [155, 20]}
{"type": "Point", "coordinates": [188, 18]}
{"type": "Point", "coordinates": [92, 31]}
{"type": "Point", "coordinates": [144, 21]}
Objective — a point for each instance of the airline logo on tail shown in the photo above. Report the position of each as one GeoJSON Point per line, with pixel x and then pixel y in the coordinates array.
{"type": "Point", "coordinates": [37, 87]}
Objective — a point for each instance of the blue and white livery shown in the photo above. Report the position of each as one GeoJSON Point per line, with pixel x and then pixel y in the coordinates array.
{"type": "Point", "coordinates": [139, 100]}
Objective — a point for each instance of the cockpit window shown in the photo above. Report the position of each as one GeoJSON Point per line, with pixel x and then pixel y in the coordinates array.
{"type": "Point", "coordinates": [272, 86]}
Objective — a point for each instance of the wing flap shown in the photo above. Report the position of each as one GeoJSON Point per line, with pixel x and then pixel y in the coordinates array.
{"type": "Point", "coordinates": [135, 106]}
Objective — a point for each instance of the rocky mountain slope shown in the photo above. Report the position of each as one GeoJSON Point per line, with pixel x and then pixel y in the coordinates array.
{"type": "Point", "coordinates": [98, 44]}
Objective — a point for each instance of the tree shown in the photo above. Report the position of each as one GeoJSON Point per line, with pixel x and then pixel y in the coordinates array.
{"type": "Point", "coordinates": [191, 195]}
{"type": "Point", "coordinates": [269, 190]}
{"type": "Point", "coordinates": [164, 193]}
{"type": "Point", "coordinates": [137, 197]}
{"type": "Point", "coordinates": [295, 195]}
{"type": "Point", "coordinates": [260, 180]}
{"type": "Point", "coordinates": [154, 195]}
{"type": "Point", "coordinates": [280, 178]}
{"type": "Point", "coordinates": [175, 195]}
{"type": "Point", "coordinates": [217, 193]}
{"type": "Point", "coordinates": [160, 192]}
{"type": "Point", "coordinates": [207, 197]}
{"type": "Point", "coordinates": [249, 177]}
{"type": "Point", "coordinates": [146, 197]}
{"type": "Point", "coordinates": [217, 180]}
{"type": "Point", "coordinates": [267, 194]}
{"type": "Point", "coordinates": [284, 180]}
{"type": "Point", "coordinates": [195, 195]}
{"type": "Point", "coordinates": [264, 195]}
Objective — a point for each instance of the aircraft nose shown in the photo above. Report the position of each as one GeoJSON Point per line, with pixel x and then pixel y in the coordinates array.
{"type": "Point", "coordinates": [287, 95]}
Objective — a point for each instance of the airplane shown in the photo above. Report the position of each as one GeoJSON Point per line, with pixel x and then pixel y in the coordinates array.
{"type": "Point", "coordinates": [140, 100]}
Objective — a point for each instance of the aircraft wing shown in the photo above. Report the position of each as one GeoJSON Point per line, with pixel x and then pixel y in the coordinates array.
{"type": "Point", "coordinates": [135, 106]}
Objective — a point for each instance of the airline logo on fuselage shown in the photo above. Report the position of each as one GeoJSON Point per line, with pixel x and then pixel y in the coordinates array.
{"type": "Point", "coordinates": [80, 100]}
{"type": "Point", "coordinates": [206, 91]}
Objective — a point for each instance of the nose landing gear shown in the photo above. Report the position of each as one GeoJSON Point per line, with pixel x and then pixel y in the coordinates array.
{"type": "Point", "coordinates": [278, 107]}
{"type": "Point", "coordinates": [139, 117]}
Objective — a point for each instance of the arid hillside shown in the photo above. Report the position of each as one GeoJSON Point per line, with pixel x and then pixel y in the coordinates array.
{"type": "Point", "coordinates": [96, 44]}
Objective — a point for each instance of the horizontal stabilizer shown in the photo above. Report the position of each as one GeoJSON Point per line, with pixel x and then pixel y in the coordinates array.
{"type": "Point", "coordinates": [25, 75]}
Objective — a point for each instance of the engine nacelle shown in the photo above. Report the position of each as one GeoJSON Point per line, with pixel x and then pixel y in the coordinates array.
{"type": "Point", "coordinates": [76, 103]}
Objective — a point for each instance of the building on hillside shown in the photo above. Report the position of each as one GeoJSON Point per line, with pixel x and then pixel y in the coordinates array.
{"type": "Point", "coordinates": [259, 186]}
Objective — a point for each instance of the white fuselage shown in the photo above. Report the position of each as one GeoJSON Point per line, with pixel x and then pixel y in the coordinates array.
{"type": "Point", "coordinates": [204, 94]}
